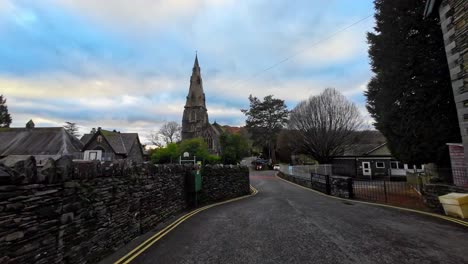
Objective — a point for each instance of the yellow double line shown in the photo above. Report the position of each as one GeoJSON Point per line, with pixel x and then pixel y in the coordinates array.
{"type": "Point", "coordinates": [451, 219]}
{"type": "Point", "coordinates": [150, 241]}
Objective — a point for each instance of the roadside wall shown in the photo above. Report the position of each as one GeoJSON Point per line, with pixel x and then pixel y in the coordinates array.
{"type": "Point", "coordinates": [431, 193]}
{"type": "Point", "coordinates": [222, 182]}
{"type": "Point", "coordinates": [79, 212]}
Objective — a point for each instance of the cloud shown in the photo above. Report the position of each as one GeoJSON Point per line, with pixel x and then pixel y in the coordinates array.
{"type": "Point", "coordinates": [126, 65]}
{"type": "Point", "coordinates": [139, 15]}
{"type": "Point", "coordinates": [340, 48]}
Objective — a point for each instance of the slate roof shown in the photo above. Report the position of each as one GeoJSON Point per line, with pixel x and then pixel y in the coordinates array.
{"type": "Point", "coordinates": [37, 141]}
{"type": "Point", "coordinates": [121, 143]}
{"type": "Point", "coordinates": [365, 142]}
{"type": "Point", "coordinates": [361, 149]}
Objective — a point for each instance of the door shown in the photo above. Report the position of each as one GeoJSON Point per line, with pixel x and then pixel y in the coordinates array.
{"type": "Point", "coordinates": [366, 169]}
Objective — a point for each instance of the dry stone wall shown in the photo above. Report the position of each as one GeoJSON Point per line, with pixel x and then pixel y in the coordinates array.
{"type": "Point", "coordinates": [79, 212]}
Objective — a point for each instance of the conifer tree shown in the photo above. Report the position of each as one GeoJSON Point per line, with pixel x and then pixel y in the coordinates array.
{"type": "Point", "coordinates": [410, 96]}
{"type": "Point", "coordinates": [5, 118]}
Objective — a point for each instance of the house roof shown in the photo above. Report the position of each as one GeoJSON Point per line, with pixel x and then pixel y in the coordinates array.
{"type": "Point", "coordinates": [37, 141]}
{"type": "Point", "coordinates": [365, 144]}
{"type": "Point", "coordinates": [379, 147]}
{"type": "Point", "coordinates": [121, 143]}
{"type": "Point", "coordinates": [231, 129]}
{"type": "Point", "coordinates": [360, 149]}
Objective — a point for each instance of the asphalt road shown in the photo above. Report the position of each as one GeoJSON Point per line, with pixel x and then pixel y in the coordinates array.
{"type": "Point", "coordinates": [287, 224]}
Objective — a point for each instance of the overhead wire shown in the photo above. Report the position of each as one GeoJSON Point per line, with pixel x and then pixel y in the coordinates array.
{"type": "Point", "coordinates": [255, 75]}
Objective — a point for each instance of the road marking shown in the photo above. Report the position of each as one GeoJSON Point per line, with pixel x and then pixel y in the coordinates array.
{"type": "Point", "coordinates": [153, 239]}
{"type": "Point", "coordinates": [451, 219]}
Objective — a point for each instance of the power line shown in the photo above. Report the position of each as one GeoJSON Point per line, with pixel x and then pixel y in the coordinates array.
{"type": "Point", "coordinates": [255, 75]}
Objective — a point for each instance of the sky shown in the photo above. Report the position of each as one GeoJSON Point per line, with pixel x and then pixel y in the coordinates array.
{"type": "Point", "coordinates": [126, 65]}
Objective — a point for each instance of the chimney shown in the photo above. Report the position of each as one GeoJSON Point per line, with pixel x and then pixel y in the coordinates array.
{"type": "Point", "coordinates": [93, 130]}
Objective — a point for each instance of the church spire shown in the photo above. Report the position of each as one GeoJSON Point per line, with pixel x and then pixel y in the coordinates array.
{"type": "Point", "coordinates": [196, 96]}
{"type": "Point", "coordinates": [195, 64]}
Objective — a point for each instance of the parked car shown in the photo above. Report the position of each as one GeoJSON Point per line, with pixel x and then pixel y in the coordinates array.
{"type": "Point", "coordinates": [276, 167]}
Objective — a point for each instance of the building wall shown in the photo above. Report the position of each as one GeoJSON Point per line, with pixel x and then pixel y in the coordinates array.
{"type": "Point", "coordinates": [136, 153]}
{"type": "Point", "coordinates": [375, 172]}
{"type": "Point", "coordinates": [103, 144]}
{"type": "Point", "coordinates": [344, 167]}
{"type": "Point", "coordinates": [352, 167]}
{"type": "Point", "coordinates": [454, 24]}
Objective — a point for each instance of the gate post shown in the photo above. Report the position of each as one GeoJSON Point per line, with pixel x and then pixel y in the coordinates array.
{"type": "Point", "coordinates": [350, 182]}
{"type": "Point", "coordinates": [327, 185]}
{"type": "Point", "coordinates": [385, 190]}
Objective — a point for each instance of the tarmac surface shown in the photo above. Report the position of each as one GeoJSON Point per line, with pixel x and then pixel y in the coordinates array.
{"type": "Point", "coordinates": [284, 223]}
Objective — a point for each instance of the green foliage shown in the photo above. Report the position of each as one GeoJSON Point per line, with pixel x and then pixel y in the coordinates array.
{"type": "Point", "coordinates": [234, 148]}
{"type": "Point", "coordinates": [410, 97]}
{"type": "Point", "coordinates": [265, 119]}
{"type": "Point", "coordinates": [168, 154]}
{"type": "Point", "coordinates": [195, 146]}
{"type": "Point", "coordinates": [212, 159]}
{"type": "Point", "coordinates": [5, 118]}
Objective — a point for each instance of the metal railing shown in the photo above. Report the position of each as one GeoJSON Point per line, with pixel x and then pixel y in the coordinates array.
{"type": "Point", "coordinates": [304, 171]}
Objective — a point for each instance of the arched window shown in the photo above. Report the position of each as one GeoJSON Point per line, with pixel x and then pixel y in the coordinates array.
{"type": "Point", "coordinates": [209, 141]}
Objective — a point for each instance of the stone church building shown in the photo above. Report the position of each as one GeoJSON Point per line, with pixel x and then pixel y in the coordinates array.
{"type": "Point", "coordinates": [195, 122]}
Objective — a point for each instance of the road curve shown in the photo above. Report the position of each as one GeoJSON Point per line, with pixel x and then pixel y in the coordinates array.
{"type": "Point", "coordinates": [287, 224]}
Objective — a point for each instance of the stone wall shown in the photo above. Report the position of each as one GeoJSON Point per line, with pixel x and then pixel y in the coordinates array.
{"type": "Point", "coordinates": [78, 212]}
{"type": "Point", "coordinates": [221, 182]}
{"type": "Point", "coordinates": [431, 193]}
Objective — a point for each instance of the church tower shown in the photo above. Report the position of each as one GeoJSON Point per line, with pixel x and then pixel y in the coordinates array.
{"type": "Point", "coordinates": [195, 119]}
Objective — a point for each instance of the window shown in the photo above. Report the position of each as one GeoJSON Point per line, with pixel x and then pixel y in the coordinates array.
{"type": "Point", "coordinates": [418, 167]}
{"type": "Point", "coordinates": [397, 165]}
{"type": "Point", "coordinates": [380, 164]}
{"type": "Point", "coordinates": [465, 103]}
{"type": "Point", "coordinates": [93, 155]}
{"type": "Point", "coordinates": [99, 139]}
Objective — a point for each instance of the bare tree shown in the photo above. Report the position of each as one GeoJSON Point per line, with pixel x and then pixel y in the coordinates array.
{"type": "Point", "coordinates": [325, 124]}
{"type": "Point", "coordinates": [168, 133]}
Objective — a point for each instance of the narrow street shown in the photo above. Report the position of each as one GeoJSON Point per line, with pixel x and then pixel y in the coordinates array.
{"type": "Point", "coordinates": [287, 224]}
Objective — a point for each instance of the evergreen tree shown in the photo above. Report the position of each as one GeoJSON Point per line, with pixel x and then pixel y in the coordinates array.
{"type": "Point", "coordinates": [5, 118]}
{"type": "Point", "coordinates": [234, 148]}
{"type": "Point", "coordinates": [265, 119]}
{"type": "Point", "coordinates": [71, 128]}
{"type": "Point", "coordinates": [410, 96]}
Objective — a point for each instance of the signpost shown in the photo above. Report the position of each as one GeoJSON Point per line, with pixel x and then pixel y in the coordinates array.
{"type": "Point", "coordinates": [186, 156]}
{"type": "Point", "coordinates": [195, 179]}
